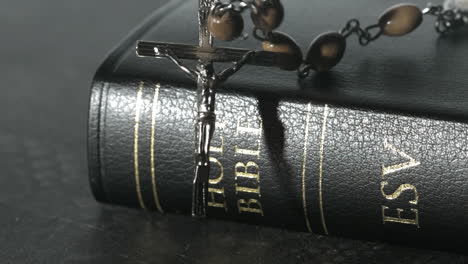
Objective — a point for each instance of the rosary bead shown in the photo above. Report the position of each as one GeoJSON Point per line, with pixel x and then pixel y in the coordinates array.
{"type": "Point", "coordinates": [268, 14]}
{"type": "Point", "coordinates": [227, 26]}
{"type": "Point", "coordinates": [326, 51]}
{"type": "Point", "coordinates": [400, 20]}
{"type": "Point", "coordinates": [282, 43]}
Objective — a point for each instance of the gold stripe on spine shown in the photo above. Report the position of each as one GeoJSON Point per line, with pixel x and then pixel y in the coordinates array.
{"type": "Point", "coordinates": [153, 133]}
{"type": "Point", "coordinates": [322, 143]}
{"type": "Point", "coordinates": [139, 103]}
{"type": "Point", "coordinates": [304, 166]}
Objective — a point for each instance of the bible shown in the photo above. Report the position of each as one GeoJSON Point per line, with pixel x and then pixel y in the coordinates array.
{"type": "Point", "coordinates": [286, 153]}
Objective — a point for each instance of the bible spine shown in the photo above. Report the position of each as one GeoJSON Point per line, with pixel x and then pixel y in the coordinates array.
{"type": "Point", "coordinates": [285, 163]}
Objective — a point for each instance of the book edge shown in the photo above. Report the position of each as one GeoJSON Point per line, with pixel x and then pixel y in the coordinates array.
{"type": "Point", "coordinates": [97, 98]}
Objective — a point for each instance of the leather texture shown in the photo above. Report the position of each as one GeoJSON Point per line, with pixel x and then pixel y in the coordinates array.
{"type": "Point", "coordinates": [344, 165]}
{"type": "Point", "coordinates": [422, 73]}
{"type": "Point", "coordinates": [327, 169]}
{"type": "Point", "coordinates": [50, 52]}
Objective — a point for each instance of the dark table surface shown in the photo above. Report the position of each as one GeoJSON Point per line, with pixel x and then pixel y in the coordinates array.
{"type": "Point", "coordinates": [49, 52]}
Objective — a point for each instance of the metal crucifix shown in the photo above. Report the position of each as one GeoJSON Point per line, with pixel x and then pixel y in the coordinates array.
{"type": "Point", "coordinates": [208, 81]}
{"type": "Point", "coordinates": [222, 20]}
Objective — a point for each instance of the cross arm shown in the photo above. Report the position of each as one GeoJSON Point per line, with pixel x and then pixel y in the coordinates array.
{"type": "Point", "coordinates": [214, 54]}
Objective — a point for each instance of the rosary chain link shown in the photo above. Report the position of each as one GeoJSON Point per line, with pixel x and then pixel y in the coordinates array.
{"type": "Point", "coordinates": [237, 6]}
{"type": "Point", "coordinates": [446, 19]}
{"type": "Point", "coordinates": [365, 35]}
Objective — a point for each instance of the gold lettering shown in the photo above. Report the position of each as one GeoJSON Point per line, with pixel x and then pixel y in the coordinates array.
{"type": "Point", "coordinates": [401, 166]}
{"type": "Point", "coordinates": [245, 170]}
{"type": "Point", "coordinates": [250, 206]}
{"type": "Point", "coordinates": [249, 152]}
{"type": "Point", "coordinates": [249, 128]}
{"type": "Point", "coordinates": [399, 191]}
{"type": "Point", "coordinates": [213, 203]}
{"type": "Point", "coordinates": [221, 174]}
{"type": "Point", "coordinates": [248, 190]}
{"type": "Point", "coordinates": [218, 149]}
{"type": "Point", "coordinates": [251, 170]}
{"type": "Point", "coordinates": [399, 219]}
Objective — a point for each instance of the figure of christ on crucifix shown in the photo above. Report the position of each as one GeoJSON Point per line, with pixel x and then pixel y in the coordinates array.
{"type": "Point", "coordinates": [208, 81]}
{"type": "Point", "coordinates": [222, 19]}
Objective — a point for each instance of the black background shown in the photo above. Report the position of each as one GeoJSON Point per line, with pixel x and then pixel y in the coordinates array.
{"type": "Point", "coordinates": [49, 51]}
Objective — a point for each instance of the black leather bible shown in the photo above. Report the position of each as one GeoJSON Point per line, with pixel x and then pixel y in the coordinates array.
{"type": "Point", "coordinates": [373, 150]}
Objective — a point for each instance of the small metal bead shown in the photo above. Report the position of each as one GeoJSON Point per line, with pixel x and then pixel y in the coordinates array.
{"type": "Point", "coordinates": [326, 51]}
{"type": "Point", "coordinates": [267, 14]}
{"type": "Point", "coordinates": [281, 43]}
{"type": "Point", "coordinates": [227, 26]}
{"type": "Point", "coordinates": [400, 19]}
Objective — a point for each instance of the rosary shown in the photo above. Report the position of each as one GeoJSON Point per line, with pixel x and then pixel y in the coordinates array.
{"type": "Point", "coordinates": [223, 21]}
